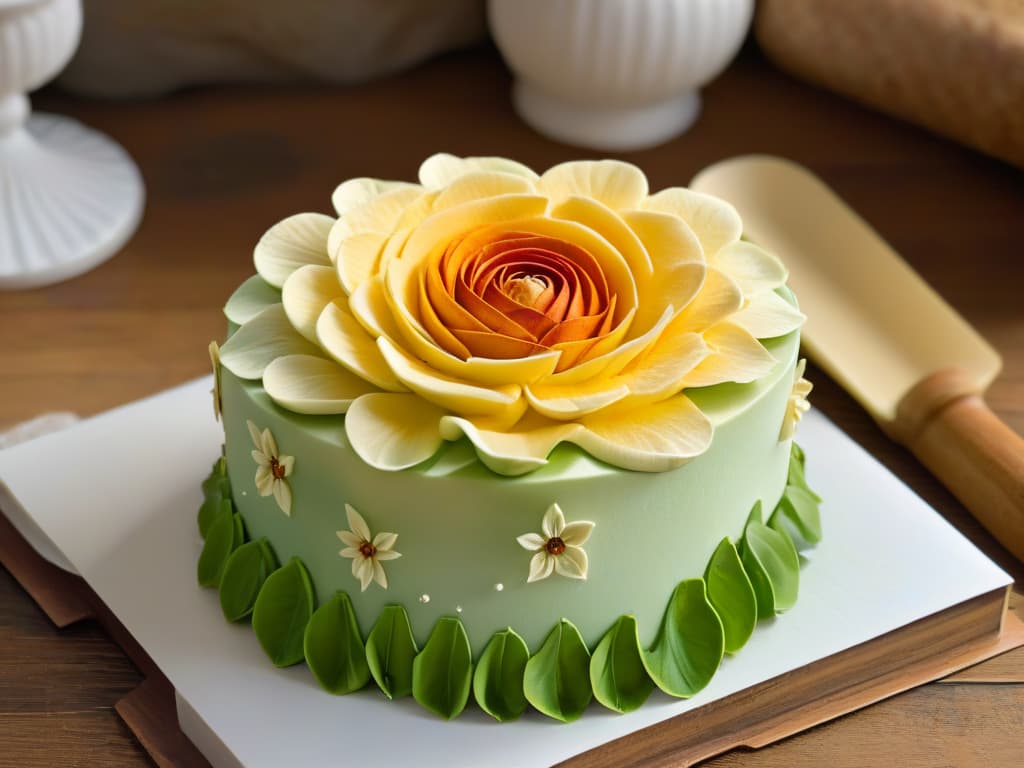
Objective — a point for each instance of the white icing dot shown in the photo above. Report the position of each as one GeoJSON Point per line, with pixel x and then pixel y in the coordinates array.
{"type": "Point", "coordinates": [244, 493]}
{"type": "Point", "coordinates": [458, 609]}
{"type": "Point", "coordinates": [424, 598]}
{"type": "Point", "coordinates": [499, 587]}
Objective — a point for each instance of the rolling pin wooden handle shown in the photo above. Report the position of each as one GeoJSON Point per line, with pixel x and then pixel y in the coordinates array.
{"type": "Point", "coordinates": [951, 430]}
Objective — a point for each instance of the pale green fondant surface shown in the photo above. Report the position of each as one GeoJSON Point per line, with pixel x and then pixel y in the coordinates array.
{"type": "Point", "coordinates": [457, 522]}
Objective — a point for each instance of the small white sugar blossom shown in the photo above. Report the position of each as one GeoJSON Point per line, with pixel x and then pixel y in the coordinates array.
{"type": "Point", "coordinates": [797, 405]}
{"type": "Point", "coordinates": [367, 551]}
{"type": "Point", "coordinates": [272, 468]}
{"type": "Point", "coordinates": [559, 547]}
{"type": "Point", "coordinates": [215, 361]}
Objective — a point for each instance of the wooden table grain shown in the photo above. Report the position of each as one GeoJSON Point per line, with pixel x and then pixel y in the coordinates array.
{"type": "Point", "coordinates": [223, 164]}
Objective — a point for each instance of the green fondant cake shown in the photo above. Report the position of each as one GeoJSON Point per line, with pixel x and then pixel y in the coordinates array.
{"type": "Point", "coordinates": [502, 429]}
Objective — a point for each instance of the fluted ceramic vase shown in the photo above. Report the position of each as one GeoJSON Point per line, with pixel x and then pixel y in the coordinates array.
{"type": "Point", "coordinates": [615, 74]}
{"type": "Point", "coordinates": [69, 196]}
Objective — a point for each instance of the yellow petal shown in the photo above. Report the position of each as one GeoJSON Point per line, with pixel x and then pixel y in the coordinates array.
{"type": "Point", "coordinates": [393, 431]}
{"type": "Point", "coordinates": [442, 169]}
{"type": "Point", "coordinates": [607, 223]}
{"type": "Point", "coordinates": [380, 215]}
{"type": "Point", "coordinates": [462, 398]}
{"type": "Point", "coordinates": [654, 438]}
{"type": "Point", "coordinates": [249, 299]}
{"type": "Point", "coordinates": [617, 184]}
{"type": "Point", "coordinates": [735, 356]}
{"type": "Point", "coordinates": [266, 336]}
{"type": "Point", "coordinates": [753, 268]}
{"type": "Point", "coordinates": [768, 315]}
{"type": "Point", "coordinates": [357, 258]}
{"type": "Point", "coordinates": [355, 193]}
{"type": "Point", "coordinates": [292, 243]}
{"type": "Point", "coordinates": [662, 370]}
{"type": "Point", "coordinates": [368, 305]}
{"type": "Point", "coordinates": [715, 222]}
{"type": "Point", "coordinates": [476, 185]}
{"type": "Point", "coordinates": [305, 294]}
{"type": "Point", "coordinates": [572, 402]}
{"type": "Point", "coordinates": [513, 452]}
{"type": "Point", "coordinates": [307, 384]}
{"type": "Point", "coordinates": [719, 297]}
{"type": "Point", "coordinates": [344, 339]}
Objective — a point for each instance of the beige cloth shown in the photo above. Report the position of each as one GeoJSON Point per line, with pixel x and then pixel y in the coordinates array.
{"type": "Point", "coordinates": [141, 48]}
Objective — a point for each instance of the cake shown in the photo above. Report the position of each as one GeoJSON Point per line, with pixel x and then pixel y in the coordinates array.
{"type": "Point", "coordinates": [517, 439]}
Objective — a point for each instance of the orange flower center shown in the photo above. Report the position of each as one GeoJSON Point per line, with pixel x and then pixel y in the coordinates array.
{"type": "Point", "coordinates": [276, 468]}
{"type": "Point", "coordinates": [503, 295]}
{"type": "Point", "coordinates": [367, 550]}
{"type": "Point", "coordinates": [555, 546]}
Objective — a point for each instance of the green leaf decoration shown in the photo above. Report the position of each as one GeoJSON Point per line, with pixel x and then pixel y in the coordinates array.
{"type": "Point", "coordinates": [690, 642]}
{"type": "Point", "coordinates": [797, 477]}
{"type": "Point", "coordinates": [755, 514]}
{"type": "Point", "coordinates": [799, 506]}
{"type": "Point", "coordinates": [498, 679]}
{"type": "Point", "coordinates": [244, 574]}
{"type": "Point", "coordinates": [770, 560]}
{"type": "Point", "coordinates": [557, 678]}
{"type": "Point", "coordinates": [333, 647]}
{"type": "Point", "coordinates": [251, 298]}
{"type": "Point", "coordinates": [283, 608]}
{"type": "Point", "coordinates": [390, 650]}
{"type": "Point", "coordinates": [797, 453]}
{"type": "Point", "coordinates": [617, 672]}
{"type": "Point", "coordinates": [731, 595]}
{"type": "Point", "coordinates": [221, 540]}
{"type": "Point", "coordinates": [443, 671]}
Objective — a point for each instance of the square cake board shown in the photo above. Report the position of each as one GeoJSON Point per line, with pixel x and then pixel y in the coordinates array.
{"type": "Point", "coordinates": [114, 499]}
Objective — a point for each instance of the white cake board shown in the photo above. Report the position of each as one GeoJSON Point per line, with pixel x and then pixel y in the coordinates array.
{"type": "Point", "coordinates": [117, 497]}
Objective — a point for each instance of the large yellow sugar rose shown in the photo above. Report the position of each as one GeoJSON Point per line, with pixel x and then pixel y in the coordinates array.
{"type": "Point", "coordinates": [518, 310]}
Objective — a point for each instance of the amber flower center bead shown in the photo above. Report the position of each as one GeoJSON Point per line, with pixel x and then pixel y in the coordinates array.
{"type": "Point", "coordinates": [367, 550]}
{"type": "Point", "coordinates": [555, 546]}
{"type": "Point", "coordinates": [276, 468]}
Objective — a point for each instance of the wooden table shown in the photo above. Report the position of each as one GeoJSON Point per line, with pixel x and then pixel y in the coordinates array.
{"type": "Point", "coordinates": [223, 164]}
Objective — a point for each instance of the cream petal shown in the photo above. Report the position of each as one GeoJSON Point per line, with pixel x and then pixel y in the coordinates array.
{"type": "Point", "coordinates": [288, 463]}
{"type": "Point", "coordinates": [553, 521]}
{"type": "Point", "coordinates": [344, 339]}
{"type": "Point", "coordinates": [249, 299]}
{"type": "Point", "coordinates": [387, 554]}
{"type": "Point", "coordinates": [572, 563]}
{"type": "Point", "coordinates": [269, 443]}
{"type": "Point", "coordinates": [655, 438]}
{"type": "Point", "coordinates": [357, 524]}
{"type": "Point", "coordinates": [577, 532]}
{"type": "Point", "coordinates": [735, 356]}
{"type": "Point", "coordinates": [267, 336]}
{"type": "Point", "coordinates": [715, 222]}
{"type": "Point", "coordinates": [264, 481]}
{"type": "Point", "coordinates": [719, 297]}
{"type": "Point", "coordinates": [351, 540]}
{"type": "Point", "coordinates": [509, 452]}
{"type": "Point", "coordinates": [363, 569]}
{"type": "Point", "coordinates": [283, 496]}
{"type": "Point", "coordinates": [541, 566]}
{"type": "Point", "coordinates": [380, 216]}
{"type": "Point", "coordinates": [378, 574]}
{"type": "Point", "coordinates": [305, 294]}
{"type": "Point", "coordinates": [355, 193]}
{"type": "Point", "coordinates": [617, 184]}
{"type": "Point", "coordinates": [448, 393]}
{"type": "Point", "coordinates": [357, 257]}
{"type": "Point", "coordinates": [768, 315]}
{"type": "Point", "coordinates": [369, 306]}
{"type": "Point", "coordinates": [610, 225]}
{"type": "Point", "coordinates": [384, 541]}
{"type": "Point", "coordinates": [531, 541]}
{"type": "Point", "coordinates": [480, 184]}
{"type": "Point", "coordinates": [315, 385]}
{"type": "Point", "coordinates": [573, 401]}
{"type": "Point", "coordinates": [260, 458]}
{"type": "Point", "coordinates": [351, 552]}
{"type": "Point", "coordinates": [752, 267]}
{"type": "Point", "coordinates": [662, 370]}
{"type": "Point", "coordinates": [292, 243]}
{"type": "Point", "coordinates": [393, 431]}
{"type": "Point", "coordinates": [254, 433]}
{"type": "Point", "coordinates": [442, 169]}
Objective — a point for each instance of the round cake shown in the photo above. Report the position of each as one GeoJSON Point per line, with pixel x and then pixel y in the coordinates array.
{"type": "Point", "coordinates": [498, 429]}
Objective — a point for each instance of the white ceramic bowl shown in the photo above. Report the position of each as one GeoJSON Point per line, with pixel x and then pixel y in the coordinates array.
{"type": "Point", "coordinates": [615, 74]}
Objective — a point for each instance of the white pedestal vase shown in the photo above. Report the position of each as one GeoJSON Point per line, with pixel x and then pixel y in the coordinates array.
{"type": "Point", "coordinates": [69, 196]}
{"type": "Point", "coordinates": [615, 74]}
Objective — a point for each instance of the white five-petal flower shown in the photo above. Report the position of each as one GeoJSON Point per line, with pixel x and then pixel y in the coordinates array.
{"type": "Point", "coordinates": [797, 404]}
{"type": "Point", "coordinates": [272, 468]}
{"type": "Point", "coordinates": [559, 548]}
{"type": "Point", "coordinates": [367, 551]}
{"type": "Point", "coordinates": [215, 361]}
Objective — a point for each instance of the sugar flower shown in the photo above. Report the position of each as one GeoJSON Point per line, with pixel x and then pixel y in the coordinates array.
{"type": "Point", "coordinates": [797, 404]}
{"type": "Point", "coordinates": [272, 468]}
{"type": "Point", "coordinates": [215, 361]}
{"type": "Point", "coordinates": [367, 552]}
{"type": "Point", "coordinates": [559, 548]}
